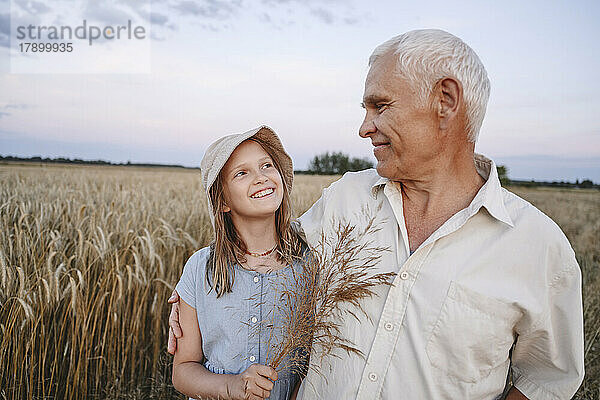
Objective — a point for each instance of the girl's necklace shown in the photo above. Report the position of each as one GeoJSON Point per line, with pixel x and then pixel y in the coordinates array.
{"type": "Point", "coordinates": [266, 253]}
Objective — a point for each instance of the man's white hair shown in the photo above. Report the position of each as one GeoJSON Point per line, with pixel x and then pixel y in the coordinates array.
{"type": "Point", "coordinates": [428, 55]}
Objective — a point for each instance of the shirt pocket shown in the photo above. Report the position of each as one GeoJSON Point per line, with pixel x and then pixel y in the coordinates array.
{"type": "Point", "coordinates": [473, 334]}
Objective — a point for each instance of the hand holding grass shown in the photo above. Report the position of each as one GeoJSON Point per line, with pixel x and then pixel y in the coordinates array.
{"type": "Point", "coordinates": [255, 383]}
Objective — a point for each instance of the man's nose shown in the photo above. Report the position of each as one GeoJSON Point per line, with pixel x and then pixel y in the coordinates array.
{"type": "Point", "coordinates": [367, 127]}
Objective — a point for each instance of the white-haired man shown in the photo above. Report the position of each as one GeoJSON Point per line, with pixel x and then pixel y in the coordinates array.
{"type": "Point", "coordinates": [487, 290]}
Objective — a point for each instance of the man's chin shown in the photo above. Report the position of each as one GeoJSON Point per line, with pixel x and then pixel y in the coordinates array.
{"type": "Point", "coordinates": [382, 170]}
{"type": "Point", "coordinates": [385, 171]}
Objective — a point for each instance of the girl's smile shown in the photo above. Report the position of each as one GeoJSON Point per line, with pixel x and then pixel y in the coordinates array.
{"type": "Point", "coordinates": [263, 193]}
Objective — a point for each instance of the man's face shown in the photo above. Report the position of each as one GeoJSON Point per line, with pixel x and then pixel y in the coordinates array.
{"type": "Point", "coordinates": [403, 132]}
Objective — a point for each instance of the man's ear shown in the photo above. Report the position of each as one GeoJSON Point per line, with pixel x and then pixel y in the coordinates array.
{"type": "Point", "coordinates": [448, 98]}
{"type": "Point", "coordinates": [226, 208]}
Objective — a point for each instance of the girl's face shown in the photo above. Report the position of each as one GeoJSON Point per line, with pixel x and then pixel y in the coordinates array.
{"type": "Point", "coordinates": [252, 186]}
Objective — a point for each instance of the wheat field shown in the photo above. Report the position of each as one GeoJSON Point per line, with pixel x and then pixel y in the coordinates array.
{"type": "Point", "coordinates": [89, 255]}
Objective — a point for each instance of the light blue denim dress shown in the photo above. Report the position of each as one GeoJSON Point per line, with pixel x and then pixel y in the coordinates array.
{"type": "Point", "coordinates": [234, 327]}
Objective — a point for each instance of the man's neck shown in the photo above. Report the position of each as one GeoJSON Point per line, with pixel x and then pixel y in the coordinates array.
{"type": "Point", "coordinates": [433, 199]}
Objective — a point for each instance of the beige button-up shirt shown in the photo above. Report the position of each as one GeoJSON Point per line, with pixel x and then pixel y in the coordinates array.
{"type": "Point", "coordinates": [497, 273]}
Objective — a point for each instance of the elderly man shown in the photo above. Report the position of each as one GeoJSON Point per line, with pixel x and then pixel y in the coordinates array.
{"type": "Point", "coordinates": [487, 289]}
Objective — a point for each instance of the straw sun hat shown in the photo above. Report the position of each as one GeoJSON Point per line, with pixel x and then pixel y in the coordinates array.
{"type": "Point", "coordinates": [219, 152]}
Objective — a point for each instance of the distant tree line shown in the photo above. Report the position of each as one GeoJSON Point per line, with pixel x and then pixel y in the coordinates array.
{"type": "Point", "coordinates": [506, 181]}
{"type": "Point", "coordinates": [62, 160]}
{"type": "Point", "coordinates": [336, 163]}
{"type": "Point", "coordinates": [584, 184]}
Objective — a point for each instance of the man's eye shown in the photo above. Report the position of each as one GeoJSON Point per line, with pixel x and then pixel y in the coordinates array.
{"type": "Point", "coordinates": [267, 165]}
{"type": "Point", "coordinates": [381, 107]}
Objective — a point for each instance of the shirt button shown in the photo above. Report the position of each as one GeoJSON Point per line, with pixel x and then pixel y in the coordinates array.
{"type": "Point", "coordinates": [389, 326]}
{"type": "Point", "coordinates": [256, 279]}
{"type": "Point", "coordinates": [254, 319]}
{"type": "Point", "coordinates": [373, 376]}
{"type": "Point", "coordinates": [404, 275]}
{"type": "Point", "coordinates": [252, 358]}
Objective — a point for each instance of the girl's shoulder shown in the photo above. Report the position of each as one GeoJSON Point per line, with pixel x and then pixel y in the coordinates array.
{"type": "Point", "coordinates": [202, 253]}
{"type": "Point", "coordinates": [192, 278]}
{"type": "Point", "coordinates": [198, 260]}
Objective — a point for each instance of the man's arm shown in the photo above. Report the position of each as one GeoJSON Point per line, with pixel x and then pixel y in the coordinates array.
{"type": "Point", "coordinates": [548, 360]}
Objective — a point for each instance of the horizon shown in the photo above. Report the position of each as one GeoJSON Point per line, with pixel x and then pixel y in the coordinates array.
{"type": "Point", "coordinates": [210, 68]}
{"type": "Point", "coordinates": [59, 159]}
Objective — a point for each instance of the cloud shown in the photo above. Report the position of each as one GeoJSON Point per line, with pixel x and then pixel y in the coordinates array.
{"type": "Point", "coordinates": [351, 21]}
{"type": "Point", "coordinates": [265, 17]}
{"type": "Point", "coordinates": [4, 109]}
{"type": "Point", "coordinates": [158, 19]}
{"type": "Point", "coordinates": [155, 36]}
{"type": "Point", "coordinates": [212, 9]}
{"type": "Point", "coordinates": [33, 7]}
{"type": "Point", "coordinates": [154, 17]}
{"type": "Point", "coordinates": [327, 12]}
{"type": "Point", "coordinates": [5, 24]}
{"type": "Point", "coordinates": [323, 15]}
{"type": "Point", "coordinates": [210, 27]}
{"type": "Point", "coordinates": [16, 106]}
{"type": "Point", "coordinates": [4, 30]}
{"type": "Point", "coordinates": [112, 15]}
{"type": "Point", "coordinates": [280, 2]}
{"type": "Point", "coordinates": [210, 14]}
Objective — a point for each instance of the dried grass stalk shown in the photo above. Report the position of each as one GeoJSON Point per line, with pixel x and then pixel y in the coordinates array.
{"type": "Point", "coordinates": [339, 272]}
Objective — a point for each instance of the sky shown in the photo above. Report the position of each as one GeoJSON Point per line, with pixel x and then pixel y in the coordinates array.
{"type": "Point", "coordinates": [208, 68]}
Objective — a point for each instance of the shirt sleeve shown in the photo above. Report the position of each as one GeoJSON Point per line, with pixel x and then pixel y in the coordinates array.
{"type": "Point", "coordinates": [548, 359]}
{"type": "Point", "coordinates": [186, 287]}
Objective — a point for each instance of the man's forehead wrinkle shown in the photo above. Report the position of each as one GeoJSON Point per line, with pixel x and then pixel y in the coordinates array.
{"type": "Point", "coordinates": [378, 90]}
{"type": "Point", "coordinates": [380, 84]}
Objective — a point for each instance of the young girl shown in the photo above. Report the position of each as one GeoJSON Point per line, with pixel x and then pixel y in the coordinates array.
{"type": "Point", "coordinates": [228, 289]}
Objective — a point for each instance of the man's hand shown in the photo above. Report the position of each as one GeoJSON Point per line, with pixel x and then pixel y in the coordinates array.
{"type": "Point", "coordinates": [255, 383]}
{"type": "Point", "coordinates": [174, 327]}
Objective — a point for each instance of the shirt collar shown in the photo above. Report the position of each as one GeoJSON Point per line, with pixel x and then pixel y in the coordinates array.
{"type": "Point", "coordinates": [489, 196]}
{"type": "Point", "coordinates": [375, 187]}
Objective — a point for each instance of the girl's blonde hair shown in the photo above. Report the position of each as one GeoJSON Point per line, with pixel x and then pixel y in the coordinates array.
{"type": "Point", "coordinates": [229, 249]}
